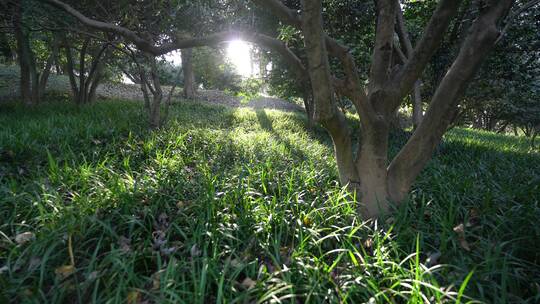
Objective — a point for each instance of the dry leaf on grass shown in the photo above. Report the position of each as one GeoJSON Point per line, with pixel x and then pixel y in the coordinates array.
{"type": "Point", "coordinates": [195, 251]}
{"type": "Point", "coordinates": [433, 259]}
{"type": "Point", "coordinates": [64, 271]}
{"type": "Point", "coordinates": [248, 283]}
{"type": "Point", "coordinates": [4, 269]}
{"type": "Point", "coordinates": [125, 244]}
{"type": "Point", "coordinates": [92, 275]}
{"type": "Point", "coordinates": [134, 297]}
{"type": "Point", "coordinates": [460, 231]}
{"type": "Point", "coordinates": [24, 237]}
{"type": "Point", "coordinates": [156, 279]}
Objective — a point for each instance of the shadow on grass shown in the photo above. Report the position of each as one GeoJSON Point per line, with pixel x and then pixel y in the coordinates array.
{"type": "Point", "coordinates": [266, 124]}
{"type": "Point", "coordinates": [127, 199]}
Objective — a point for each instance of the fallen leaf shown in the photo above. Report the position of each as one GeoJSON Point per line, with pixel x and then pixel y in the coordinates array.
{"type": "Point", "coordinates": [24, 237]}
{"type": "Point", "coordinates": [368, 243]}
{"type": "Point", "coordinates": [195, 251]}
{"type": "Point", "coordinates": [460, 231]}
{"type": "Point", "coordinates": [34, 263]}
{"type": "Point", "coordinates": [163, 220]}
{"type": "Point", "coordinates": [433, 259]}
{"type": "Point", "coordinates": [248, 283]}
{"type": "Point", "coordinates": [307, 221]}
{"type": "Point", "coordinates": [235, 263]}
{"type": "Point", "coordinates": [156, 279]}
{"type": "Point", "coordinates": [133, 297]}
{"type": "Point", "coordinates": [65, 271]}
{"type": "Point", "coordinates": [464, 244]}
{"type": "Point", "coordinates": [125, 244]}
{"type": "Point", "coordinates": [92, 275]}
{"type": "Point", "coordinates": [158, 239]}
{"type": "Point", "coordinates": [474, 217]}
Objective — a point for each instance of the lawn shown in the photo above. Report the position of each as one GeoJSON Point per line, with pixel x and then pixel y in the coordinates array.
{"type": "Point", "coordinates": [241, 206]}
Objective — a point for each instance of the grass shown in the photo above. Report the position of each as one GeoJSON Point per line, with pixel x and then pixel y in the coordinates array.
{"type": "Point", "coordinates": [241, 206]}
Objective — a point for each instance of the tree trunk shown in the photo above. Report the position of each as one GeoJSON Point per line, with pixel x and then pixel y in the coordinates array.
{"type": "Point", "coordinates": [417, 105]}
{"type": "Point", "coordinates": [47, 71]}
{"type": "Point", "coordinates": [308, 105]}
{"type": "Point", "coordinates": [83, 86]}
{"type": "Point", "coordinates": [144, 88]}
{"type": "Point", "coordinates": [371, 164]}
{"type": "Point", "coordinates": [70, 69]}
{"type": "Point", "coordinates": [189, 75]}
{"type": "Point", "coordinates": [155, 107]}
{"type": "Point", "coordinates": [23, 55]}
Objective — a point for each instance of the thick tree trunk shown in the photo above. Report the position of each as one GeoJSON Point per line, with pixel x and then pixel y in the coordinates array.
{"type": "Point", "coordinates": [23, 54]}
{"type": "Point", "coordinates": [418, 114]}
{"type": "Point", "coordinates": [46, 72]}
{"type": "Point", "coordinates": [144, 88]}
{"type": "Point", "coordinates": [189, 75]}
{"type": "Point", "coordinates": [83, 86]}
{"type": "Point", "coordinates": [308, 105]}
{"type": "Point", "coordinates": [371, 164]}
{"type": "Point", "coordinates": [155, 107]}
{"type": "Point", "coordinates": [70, 69]}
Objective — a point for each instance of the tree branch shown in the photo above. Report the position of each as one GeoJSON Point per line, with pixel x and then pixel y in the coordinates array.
{"type": "Point", "coordinates": [513, 15]}
{"type": "Point", "coordinates": [418, 149]}
{"type": "Point", "coordinates": [384, 37]}
{"type": "Point", "coordinates": [426, 47]}
{"type": "Point", "coordinates": [141, 43]}
{"type": "Point", "coordinates": [280, 10]}
{"type": "Point", "coordinates": [402, 32]}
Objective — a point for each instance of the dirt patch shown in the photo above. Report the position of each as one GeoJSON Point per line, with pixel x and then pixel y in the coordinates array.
{"type": "Point", "coordinates": [133, 92]}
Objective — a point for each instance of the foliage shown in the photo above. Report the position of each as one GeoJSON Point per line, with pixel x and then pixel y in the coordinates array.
{"type": "Point", "coordinates": [169, 74]}
{"type": "Point", "coordinates": [250, 89]}
{"type": "Point", "coordinates": [230, 205]}
{"type": "Point", "coordinates": [213, 71]}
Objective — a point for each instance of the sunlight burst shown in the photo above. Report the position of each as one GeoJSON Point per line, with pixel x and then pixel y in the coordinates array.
{"type": "Point", "coordinates": [239, 54]}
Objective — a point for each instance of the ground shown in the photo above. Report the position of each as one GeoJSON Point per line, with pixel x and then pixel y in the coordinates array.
{"type": "Point", "coordinates": [9, 90]}
{"type": "Point", "coordinates": [242, 205]}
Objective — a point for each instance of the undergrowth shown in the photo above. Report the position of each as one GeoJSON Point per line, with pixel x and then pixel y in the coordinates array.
{"type": "Point", "coordinates": [241, 206]}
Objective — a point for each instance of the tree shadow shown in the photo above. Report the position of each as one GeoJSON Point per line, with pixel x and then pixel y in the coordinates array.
{"type": "Point", "coordinates": [266, 124]}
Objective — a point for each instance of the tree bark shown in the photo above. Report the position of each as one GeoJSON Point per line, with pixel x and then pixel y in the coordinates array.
{"type": "Point", "coordinates": [81, 96]}
{"type": "Point", "coordinates": [47, 70]}
{"type": "Point", "coordinates": [418, 113]}
{"type": "Point", "coordinates": [418, 150]}
{"type": "Point", "coordinates": [189, 74]}
{"type": "Point", "coordinates": [23, 55]}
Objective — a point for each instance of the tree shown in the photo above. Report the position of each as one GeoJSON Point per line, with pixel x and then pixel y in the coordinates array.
{"type": "Point", "coordinates": [368, 172]}
{"type": "Point", "coordinates": [190, 87]}
{"type": "Point", "coordinates": [377, 182]}
{"type": "Point", "coordinates": [34, 73]}
{"type": "Point", "coordinates": [85, 77]}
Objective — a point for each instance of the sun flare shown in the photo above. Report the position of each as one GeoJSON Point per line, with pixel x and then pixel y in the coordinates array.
{"type": "Point", "coordinates": [239, 54]}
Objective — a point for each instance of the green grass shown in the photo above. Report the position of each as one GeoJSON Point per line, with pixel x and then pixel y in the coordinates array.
{"type": "Point", "coordinates": [241, 206]}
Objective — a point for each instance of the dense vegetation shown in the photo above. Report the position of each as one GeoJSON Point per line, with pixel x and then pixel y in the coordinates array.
{"type": "Point", "coordinates": [235, 205]}
{"type": "Point", "coordinates": [405, 172]}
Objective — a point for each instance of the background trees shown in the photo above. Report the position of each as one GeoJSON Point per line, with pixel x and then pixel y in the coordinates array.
{"type": "Point", "coordinates": [376, 57]}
